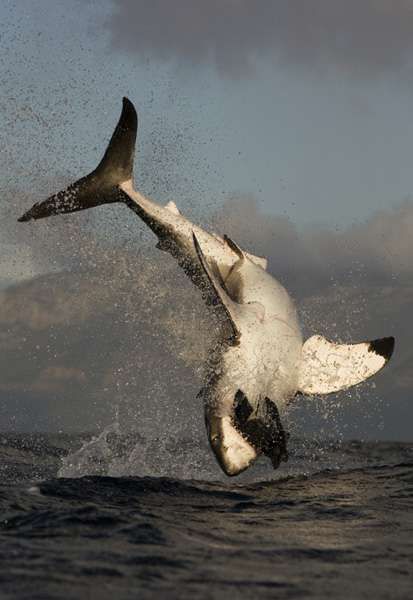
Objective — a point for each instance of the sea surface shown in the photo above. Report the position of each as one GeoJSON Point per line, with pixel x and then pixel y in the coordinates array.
{"type": "Point", "coordinates": [118, 517]}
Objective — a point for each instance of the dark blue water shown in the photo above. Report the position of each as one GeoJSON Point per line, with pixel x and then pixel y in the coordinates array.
{"type": "Point", "coordinates": [338, 523]}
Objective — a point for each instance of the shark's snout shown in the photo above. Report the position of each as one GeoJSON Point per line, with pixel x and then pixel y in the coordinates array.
{"type": "Point", "coordinates": [232, 451]}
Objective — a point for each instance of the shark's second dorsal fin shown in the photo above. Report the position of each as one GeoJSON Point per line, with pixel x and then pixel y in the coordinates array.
{"type": "Point", "coordinates": [172, 207]}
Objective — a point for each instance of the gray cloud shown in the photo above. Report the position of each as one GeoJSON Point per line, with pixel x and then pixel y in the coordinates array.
{"type": "Point", "coordinates": [378, 251]}
{"type": "Point", "coordinates": [364, 38]}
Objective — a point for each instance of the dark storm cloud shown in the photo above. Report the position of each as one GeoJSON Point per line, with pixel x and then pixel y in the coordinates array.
{"type": "Point", "coordinates": [359, 37]}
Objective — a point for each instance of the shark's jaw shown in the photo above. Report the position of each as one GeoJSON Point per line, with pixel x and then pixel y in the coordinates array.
{"type": "Point", "coordinates": [232, 450]}
{"type": "Point", "coordinates": [239, 436]}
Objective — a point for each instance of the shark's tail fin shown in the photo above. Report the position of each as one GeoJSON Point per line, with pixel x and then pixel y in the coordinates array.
{"type": "Point", "coordinates": [102, 185]}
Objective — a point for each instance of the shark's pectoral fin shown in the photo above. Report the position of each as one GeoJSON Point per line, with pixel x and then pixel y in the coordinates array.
{"type": "Point", "coordinates": [328, 367]}
{"type": "Point", "coordinates": [231, 308]}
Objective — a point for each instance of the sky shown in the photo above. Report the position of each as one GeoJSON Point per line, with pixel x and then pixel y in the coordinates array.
{"type": "Point", "coordinates": [288, 123]}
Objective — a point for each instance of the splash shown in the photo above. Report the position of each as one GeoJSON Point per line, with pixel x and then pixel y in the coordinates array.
{"type": "Point", "coordinates": [179, 450]}
{"type": "Point", "coordinates": [116, 454]}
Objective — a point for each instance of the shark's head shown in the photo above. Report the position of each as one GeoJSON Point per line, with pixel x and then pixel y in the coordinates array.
{"type": "Point", "coordinates": [239, 431]}
{"type": "Point", "coordinates": [232, 450]}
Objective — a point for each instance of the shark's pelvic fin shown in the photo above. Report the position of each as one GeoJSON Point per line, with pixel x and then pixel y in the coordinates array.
{"type": "Point", "coordinates": [172, 207]}
{"type": "Point", "coordinates": [101, 185]}
{"type": "Point", "coordinates": [230, 307]}
{"type": "Point", "coordinates": [328, 367]}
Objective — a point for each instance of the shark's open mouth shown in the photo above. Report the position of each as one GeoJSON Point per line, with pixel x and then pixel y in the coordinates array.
{"type": "Point", "coordinates": [261, 427]}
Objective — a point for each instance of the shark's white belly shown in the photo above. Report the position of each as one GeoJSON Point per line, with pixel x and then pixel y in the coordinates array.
{"type": "Point", "coordinates": [266, 361]}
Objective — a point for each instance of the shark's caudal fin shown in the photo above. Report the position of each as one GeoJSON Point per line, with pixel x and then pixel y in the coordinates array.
{"type": "Point", "coordinates": [100, 186]}
{"type": "Point", "coordinates": [327, 367]}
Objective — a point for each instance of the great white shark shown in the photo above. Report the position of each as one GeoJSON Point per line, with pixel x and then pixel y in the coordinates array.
{"type": "Point", "coordinates": [260, 362]}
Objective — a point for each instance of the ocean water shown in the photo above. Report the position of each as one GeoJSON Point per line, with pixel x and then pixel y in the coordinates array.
{"type": "Point", "coordinates": [119, 516]}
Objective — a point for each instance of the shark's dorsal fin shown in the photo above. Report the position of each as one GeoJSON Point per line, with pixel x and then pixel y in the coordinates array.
{"type": "Point", "coordinates": [230, 307]}
{"type": "Point", "coordinates": [260, 261]}
{"type": "Point", "coordinates": [234, 247]}
{"type": "Point", "coordinates": [328, 367]}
